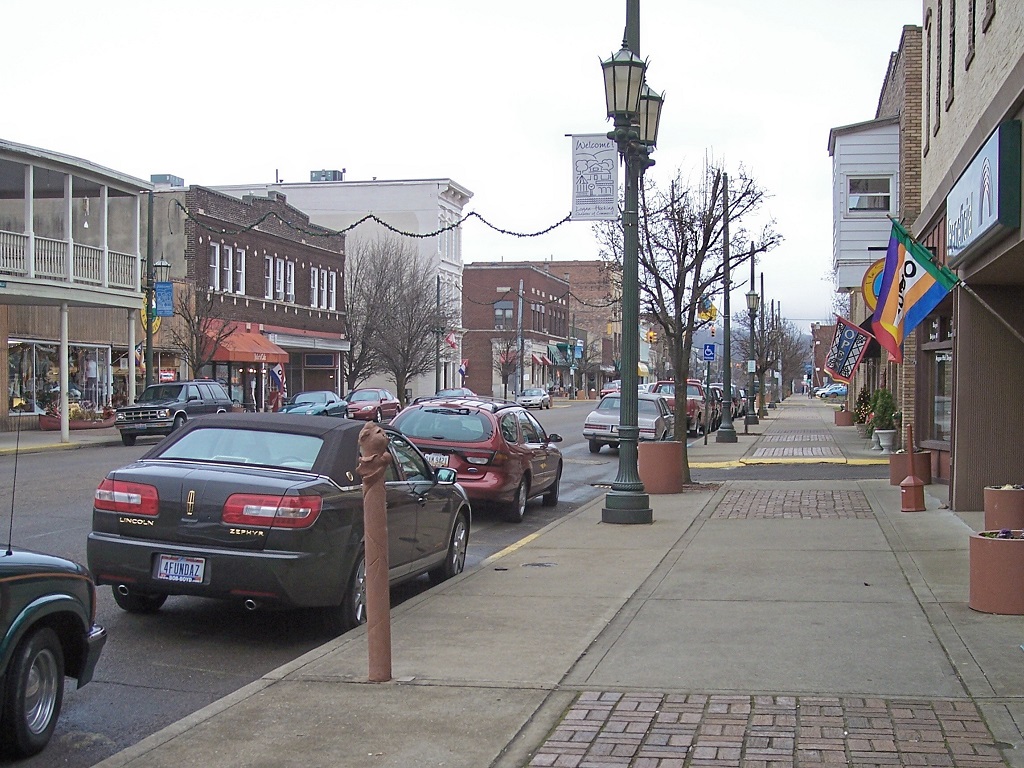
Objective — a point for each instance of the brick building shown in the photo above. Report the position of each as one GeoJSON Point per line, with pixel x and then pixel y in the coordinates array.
{"type": "Point", "coordinates": [503, 302]}
{"type": "Point", "coordinates": [276, 277]}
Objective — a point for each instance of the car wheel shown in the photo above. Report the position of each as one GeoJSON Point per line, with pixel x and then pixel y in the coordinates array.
{"type": "Point", "coordinates": [378, 416]}
{"type": "Point", "coordinates": [516, 511]}
{"type": "Point", "coordinates": [595, 447]}
{"type": "Point", "coordinates": [455, 561]}
{"type": "Point", "coordinates": [128, 439]}
{"type": "Point", "coordinates": [179, 422]}
{"type": "Point", "coordinates": [352, 611]}
{"type": "Point", "coordinates": [139, 602]}
{"type": "Point", "coordinates": [550, 499]}
{"type": "Point", "coordinates": [34, 691]}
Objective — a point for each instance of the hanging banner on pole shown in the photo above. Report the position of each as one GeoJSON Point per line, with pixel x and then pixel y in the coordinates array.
{"type": "Point", "coordinates": [595, 178]}
{"type": "Point", "coordinates": [848, 347]}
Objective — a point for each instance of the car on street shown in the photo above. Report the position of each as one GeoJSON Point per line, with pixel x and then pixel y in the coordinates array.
{"type": "Point", "coordinates": [654, 420]}
{"type": "Point", "coordinates": [832, 390]}
{"type": "Point", "coordinates": [316, 403]}
{"type": "Point", "coordinates": [535, 397]}
{"type": "Point", "coordinates": [695, 402]}
{"type": "Point", "coordinates": [443, 393]}
{"type": "Point", "coordinates": [737, 399]}
{"type": "Point", "coordinates": [372, 404]}
{"type": "Point", "coordinates": [266, 509]}
{"type": "Point", "coordinates": [717, 402]}
{"type": "Point", "coordinates": [611, 387]}
{"type": "Point", "coordinates": [47, 632]}
{"type": "Point", "coordinates": [163, 408]}
{"type": "Point", "coordinates": [500, 451]}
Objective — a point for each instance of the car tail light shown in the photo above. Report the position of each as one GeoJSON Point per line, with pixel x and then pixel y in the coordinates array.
{"type": "Point", "coordinates": [495, 458]}
{"type": "Point", "coordinates": [122, 496]}
{"type": "Point", "coordinates": [271, 511]}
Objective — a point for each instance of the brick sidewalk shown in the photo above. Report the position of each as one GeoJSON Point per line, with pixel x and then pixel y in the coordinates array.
{"type": "Point", "coordinates": [651, 730]}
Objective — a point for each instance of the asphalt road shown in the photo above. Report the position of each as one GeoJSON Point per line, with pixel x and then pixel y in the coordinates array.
{"type": "Point", "coordinates": [158, 668]}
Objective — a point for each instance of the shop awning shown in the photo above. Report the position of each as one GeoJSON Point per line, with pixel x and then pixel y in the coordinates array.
{"type": "Point", "coordinates": [538, 359]}
{"type": "Point", "coordinates": [241, 347]}
{"type": "Point", "coordinates": [642, 369]}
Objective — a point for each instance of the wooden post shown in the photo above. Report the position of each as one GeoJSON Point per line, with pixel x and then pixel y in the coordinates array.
{"type": "Point", "coordinates": [374, 458]}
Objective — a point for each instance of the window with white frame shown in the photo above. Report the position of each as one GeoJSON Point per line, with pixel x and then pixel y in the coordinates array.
{"type": "Point", "coordinates": [279, 279]}
{"type": "Point", "coordinates": [214, 266]}
{"type": "Point", "coordinates": [240, 270]}
{"type": "Point", "coordinates": [268, 277]}
{"type": "Point", "coordinates": [332, 290]}
{"type": "Point", "coordinates": [225, 282]}
{"type": "Point", "coordinates": [869, 195]}
{"type": "Point", "coordinates": [323, 288]}
{"type": "Point", "coordinates": [289, 279]}
{"type": "Point", "coordinates": [314, 287]}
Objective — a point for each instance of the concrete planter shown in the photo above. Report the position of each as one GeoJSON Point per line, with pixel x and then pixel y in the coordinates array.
{"type": "Point", "coordinates": [1004, 507]}
{"type": "Point", "coordinates": [844, 418]}
{"type": "Point", "coordinates": [900, 469]}
{"type": "Point", "coordinates": [885, 438]}
{"type": "Point", "coordinates": [996, 573]}
{"type": "Point", "coordinates": [660, 466]}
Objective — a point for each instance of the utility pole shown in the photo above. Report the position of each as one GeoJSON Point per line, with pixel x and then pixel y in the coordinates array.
{"type": "Point", "coordinates": [437, 341]}
{"type": "Point", "coordinates": [519, 342]}
{"type": "Point", "coordinates": [150, 279]}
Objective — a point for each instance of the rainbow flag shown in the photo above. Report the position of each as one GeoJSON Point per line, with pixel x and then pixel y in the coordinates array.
{"type": "Point", "coordinates": [912, 285]}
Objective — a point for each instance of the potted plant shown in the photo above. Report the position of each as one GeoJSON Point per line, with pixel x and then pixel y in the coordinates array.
{"type": "Point", "coordinates": [1004, 506]}
{"type": "Point", "coordinates": [919, 463]}
{"type": "Point", "coordinates": [884, 419]}
{"type": "Point", "coordinates": [861, 411]}
{"type": "Point", "coordinates": [996, 562]}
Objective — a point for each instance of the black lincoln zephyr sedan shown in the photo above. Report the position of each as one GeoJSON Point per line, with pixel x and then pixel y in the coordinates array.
{"type": "Point", "coordinates": [267, 510]}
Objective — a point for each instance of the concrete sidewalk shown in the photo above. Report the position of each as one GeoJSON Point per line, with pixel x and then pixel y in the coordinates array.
{"type": "Point", "coordinates": [758, 624]}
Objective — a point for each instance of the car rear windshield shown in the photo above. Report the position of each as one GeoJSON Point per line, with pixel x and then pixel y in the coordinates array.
{"type": "Point", "coordinates": [457, 425]}
{"type": "Point", "coordinates": [246, 446]}
{"type": "Point", "coordinates": [160, 392]}
{"type": "Point", "coordinates": [692, 391]}
{"type": "Point", "coordinates": [665, 389]}
{"type": "Point", "coordinates": [358, 397]}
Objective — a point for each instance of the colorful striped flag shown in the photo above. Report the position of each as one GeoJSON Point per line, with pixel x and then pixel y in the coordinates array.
{"type": "Point", "coordinates": [912, 285]}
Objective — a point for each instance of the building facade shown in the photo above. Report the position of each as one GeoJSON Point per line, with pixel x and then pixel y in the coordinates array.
{"type": "Point", "coordinates": [258, 264]}
{"type": "Point", "coordinates": [517, 329]}
{"type": "Point", "coordinates": [427, 208]}
{"type": "Point", "coordinates": [72, 288]}
{"type": "Point", "coordinates": [971, 113]}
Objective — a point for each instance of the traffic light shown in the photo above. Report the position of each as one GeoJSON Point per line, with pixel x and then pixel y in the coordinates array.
{"type": "Point", "coordinates": [712, 331]}
{"type": "Point", "coordinates": [652, 337]}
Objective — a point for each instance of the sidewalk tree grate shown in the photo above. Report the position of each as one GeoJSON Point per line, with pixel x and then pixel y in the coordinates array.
{"type": "Point", "coordinates": [654, 730]}
{"type": "Point", "coordinates": [814, 452]}
{"type": "Point", "coordinates": [798, 437]}
{"type": "Point", "coordinates": [796, 504]}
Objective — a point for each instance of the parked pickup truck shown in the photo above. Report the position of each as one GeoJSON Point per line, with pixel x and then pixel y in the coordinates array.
{"type": "Point", "coordinates": [694, 401]}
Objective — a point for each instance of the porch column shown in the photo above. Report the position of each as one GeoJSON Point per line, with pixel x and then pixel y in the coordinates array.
{"type": "Point", "coordinates": [105, 257]}
{"type": "Point", "coordinates": [30, 228]}
{"type": "Point", "coordinates": [137, 252]}
{"type": "Point", "coordinates": [132, 314]}
{"type": "Point", "coordinates": [65, 430]}
{"type": "Point", "coordinates": [69, 237]}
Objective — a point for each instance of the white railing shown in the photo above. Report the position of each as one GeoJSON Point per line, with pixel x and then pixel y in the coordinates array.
{"type": "Point", "coordinates": [51, 259]}
{"type": "Point", "coordinates": [51, 262]}
{"type": "Point", "coordinates": [12, 253]}
{"type": "Point", "coordinates": [88, 264]}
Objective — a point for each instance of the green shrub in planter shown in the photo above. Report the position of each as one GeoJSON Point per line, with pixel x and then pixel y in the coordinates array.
{"type": "Point", "coordinates": [884, 410]}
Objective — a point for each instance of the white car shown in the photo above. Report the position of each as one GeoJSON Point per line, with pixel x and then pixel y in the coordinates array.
{"type": "Point", "coordinates": [654, 420]}
{"type": "Point", "coordinates": [534, 398]}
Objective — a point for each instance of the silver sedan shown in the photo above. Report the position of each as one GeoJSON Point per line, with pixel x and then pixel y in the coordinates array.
{"type": "Point", "coordinates": [535, 397]}
{"type": "Point", "coordinates": [654, 420]}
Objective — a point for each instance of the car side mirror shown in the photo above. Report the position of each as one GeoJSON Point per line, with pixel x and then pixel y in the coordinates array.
{"type": "Point", "coordinates": [554, 437]}
{"type": "Point", "coordinates": [445, 475]}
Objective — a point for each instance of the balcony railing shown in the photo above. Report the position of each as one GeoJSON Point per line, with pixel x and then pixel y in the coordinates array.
{"type": "Point", "coordinates": [51, 262]}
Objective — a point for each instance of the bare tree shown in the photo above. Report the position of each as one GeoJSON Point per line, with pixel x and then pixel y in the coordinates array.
{"type": "Point", "coordinates": [406, 319]}
{"type": "Point", "coordinates": [200, 326]}
{"type": "Point", "coordinates": [781, 347]}
{"type": "Point", "coordinates": [505, 351]}
{"type": "Point", "coordinates": [363, 298]}
{"type": "Point", "coordinates": [681, 247]}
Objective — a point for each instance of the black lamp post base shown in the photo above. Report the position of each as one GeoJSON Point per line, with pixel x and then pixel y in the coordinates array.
{"type": "Point", "coordinates": [627, 508]}
{"type": "Point", "coordinates": [751, 418]}
{"type": "Point", "coordinates": [725, 435]}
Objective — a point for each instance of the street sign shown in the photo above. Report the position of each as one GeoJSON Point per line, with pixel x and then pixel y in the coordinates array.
{"type": "Point", "coordinates": [709, 352]}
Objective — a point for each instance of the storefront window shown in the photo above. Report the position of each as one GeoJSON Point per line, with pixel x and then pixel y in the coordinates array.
{"type": "Point", "coordinates": [942, 387]}
{"type": "Point", "coordinates": [33, 370]}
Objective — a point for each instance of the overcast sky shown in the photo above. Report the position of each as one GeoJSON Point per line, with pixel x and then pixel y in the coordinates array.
{"type": "Point", "coordinates": [479, 91]}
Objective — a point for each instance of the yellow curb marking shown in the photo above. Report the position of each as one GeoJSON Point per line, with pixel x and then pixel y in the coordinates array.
{"type": "Point", "coordinates": [509, 549]}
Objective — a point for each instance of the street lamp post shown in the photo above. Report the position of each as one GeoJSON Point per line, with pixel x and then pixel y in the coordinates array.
{"type": "Point", "coordinates": [753, 299]}
{"type": "Point", "coordinates": [726, 431]}
{"type": "Point", "coordinates": [636, 110]}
